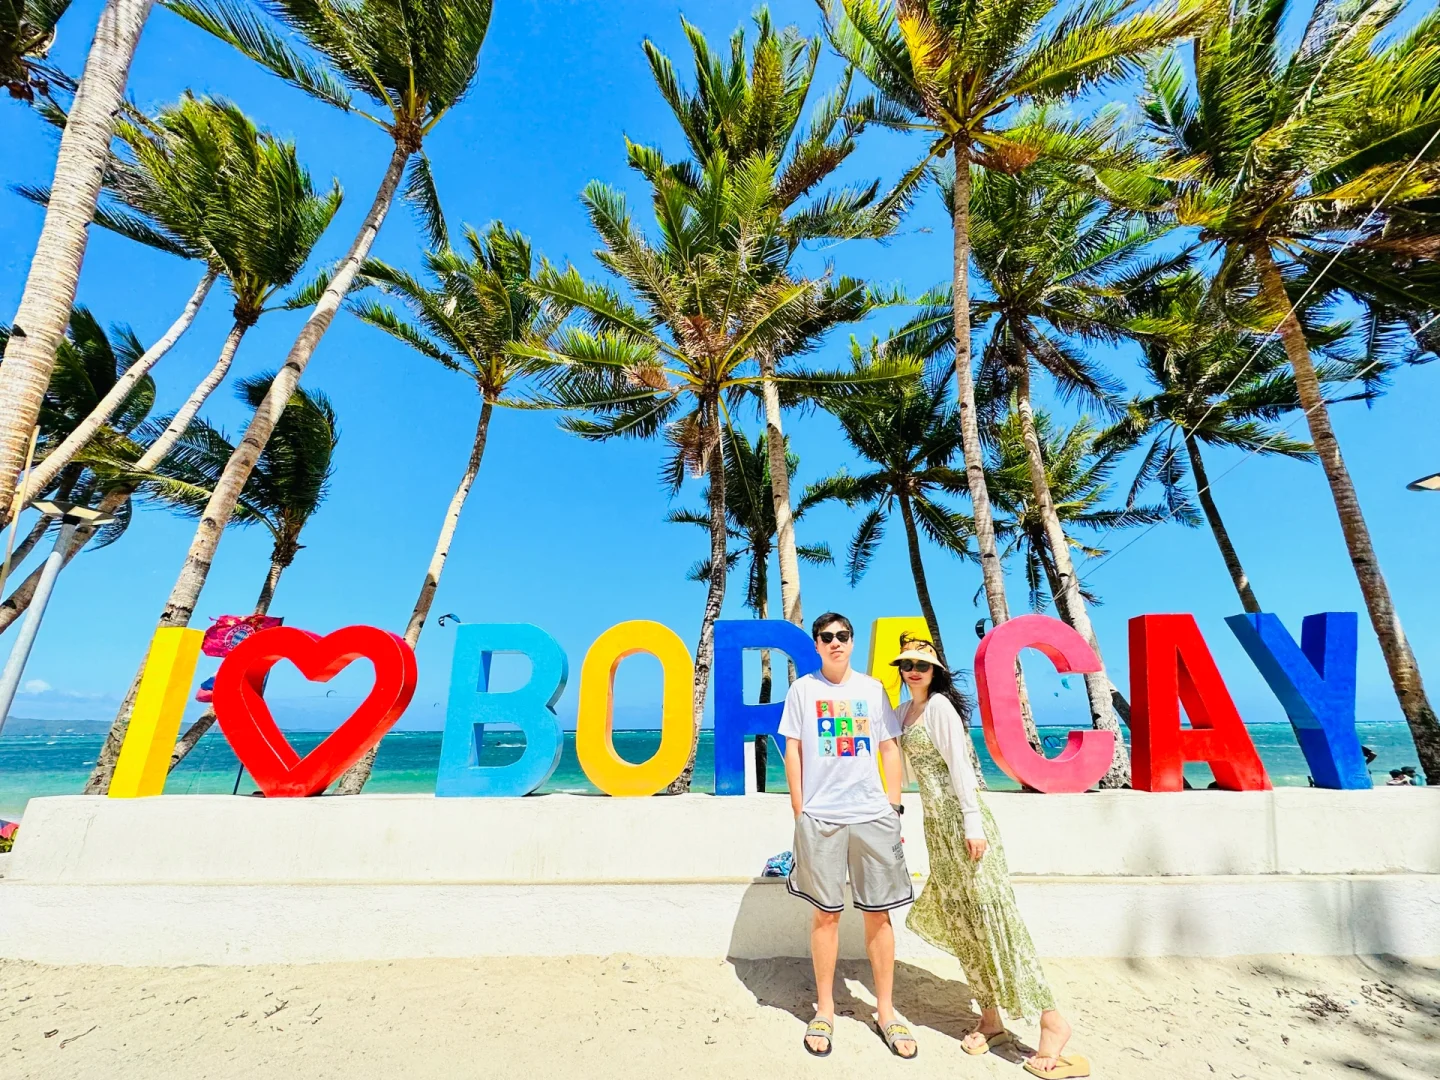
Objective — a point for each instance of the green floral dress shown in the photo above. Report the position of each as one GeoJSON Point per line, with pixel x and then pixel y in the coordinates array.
{"type": "Point", "coordinates": [967, 907]}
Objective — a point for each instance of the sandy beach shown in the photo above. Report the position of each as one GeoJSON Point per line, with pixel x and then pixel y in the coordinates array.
{"type": "Point", "coordinates": [618, 1016]}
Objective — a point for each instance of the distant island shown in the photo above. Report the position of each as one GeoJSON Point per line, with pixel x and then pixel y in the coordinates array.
{"type": "Point", "coordinates": [30, 725]}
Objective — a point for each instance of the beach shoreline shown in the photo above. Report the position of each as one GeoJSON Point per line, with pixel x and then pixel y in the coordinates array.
{"type": "Point", "coordinates": [34, 766]}
{"type": "Point", "coordinates": [624, 1016]}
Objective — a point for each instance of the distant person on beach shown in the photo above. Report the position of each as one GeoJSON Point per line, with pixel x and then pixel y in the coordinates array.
{"type": "Point", "coordinates": [967, 907]}
{"type": "Point", "coordinates": [845, 820]}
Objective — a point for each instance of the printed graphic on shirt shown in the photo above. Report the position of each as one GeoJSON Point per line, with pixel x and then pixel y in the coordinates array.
{"type": "Point", "coordinates": [844, 728]}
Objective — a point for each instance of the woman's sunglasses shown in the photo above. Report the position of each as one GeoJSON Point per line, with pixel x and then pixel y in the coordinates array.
{"type": "Point", "coordinates": [922, 666]}
{"type": "Point", "coordinates": [841, 636]}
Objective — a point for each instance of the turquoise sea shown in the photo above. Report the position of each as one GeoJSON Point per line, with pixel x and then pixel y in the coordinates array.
{"type": "Point", "coordinates": [36, 765]}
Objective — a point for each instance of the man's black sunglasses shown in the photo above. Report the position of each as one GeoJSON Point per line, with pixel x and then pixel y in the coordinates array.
{"type": "Point", "coordinates": [828, 636]}
{"type": "Point", "coordinates": [921, 666]}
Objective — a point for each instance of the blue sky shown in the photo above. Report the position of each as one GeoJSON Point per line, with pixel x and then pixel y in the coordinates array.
{"type": "Point", "coordinates": [570, 535]}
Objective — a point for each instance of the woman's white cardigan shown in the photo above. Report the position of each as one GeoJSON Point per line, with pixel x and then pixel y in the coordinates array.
{"type": "Point", "coordinates": [948, 735]}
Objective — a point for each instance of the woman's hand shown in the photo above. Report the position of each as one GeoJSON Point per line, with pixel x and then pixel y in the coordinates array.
{"type": "Point", "coordinates": [976, 848]}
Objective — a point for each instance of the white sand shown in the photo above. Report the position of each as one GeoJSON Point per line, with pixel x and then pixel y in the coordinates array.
{"type": "Point", "coordinates": [640, 1017]}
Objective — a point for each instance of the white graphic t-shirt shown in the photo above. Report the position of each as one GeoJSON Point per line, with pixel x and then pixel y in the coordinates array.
{"type": "Point", "coordinates": [840, 727]}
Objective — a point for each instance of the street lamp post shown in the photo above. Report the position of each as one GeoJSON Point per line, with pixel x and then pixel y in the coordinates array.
{"type": "Point", "coordinates": [71, 518]}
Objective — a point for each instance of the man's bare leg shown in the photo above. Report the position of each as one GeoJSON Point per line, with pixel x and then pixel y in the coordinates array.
{"type": "Point", "coordinates": [880, 947]}
{"type": "Point", "coordinates": [824, 951]}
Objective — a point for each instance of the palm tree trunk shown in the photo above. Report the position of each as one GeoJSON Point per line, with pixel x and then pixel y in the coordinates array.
{"type": "Point", "coordinates": [221, 505]}
{"type": "Point", "coordinates": [1222, 536]}
{"type": "Point", "coordinates": [17, 602]}
{"type": "Point", "coordinates": [917, 571]}
{"type": "Point", "coordinates": [715, 598]}
{"type": "Point", "coordinates": [1404, 672]}
{"type": "Point", "coordinates": [44, 312]}
{"type": "Point", "coordinates": [992, 572]}
{"type": "Point", "coordinates": [278, 562]}
{"type": "Point", "coordinates": [780, 491]}
{"type": "Point", "coordinates": [1097, 683]}
{"type": "Point", "coordinates": [84, 431]}
{"type": "Point", "coordinates": [22, 550]}
{"type": "Point", "coordinates": [355, 778]}
{"type": "Point", "coordinates": [767, 676]}
{"type": "Point", "coordinates": [280, 558]}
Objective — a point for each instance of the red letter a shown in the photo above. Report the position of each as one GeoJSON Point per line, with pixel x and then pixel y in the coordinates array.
{"type": "Point", "coordinates": [1171, 666]}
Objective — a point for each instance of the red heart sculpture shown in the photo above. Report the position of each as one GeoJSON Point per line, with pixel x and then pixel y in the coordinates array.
{"type": "Point", "coordinates": [256, 738]}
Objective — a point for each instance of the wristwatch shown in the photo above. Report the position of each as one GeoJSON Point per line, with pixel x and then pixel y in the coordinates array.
{"type": "Point", "coordinates": [899, 808]}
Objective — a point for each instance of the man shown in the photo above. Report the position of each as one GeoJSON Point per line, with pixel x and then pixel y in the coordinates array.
{"type": "Point", "coordinates": [834, 722]}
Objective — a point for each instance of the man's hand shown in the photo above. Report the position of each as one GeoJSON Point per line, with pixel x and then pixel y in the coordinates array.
{"type": "Point", "coordinates": [794, 776]}
{"type": "Point", "coordinates": [976, 848]}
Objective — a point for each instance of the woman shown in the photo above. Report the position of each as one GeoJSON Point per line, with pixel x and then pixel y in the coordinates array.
{"type": "Point", "coordinates": [967, 907]}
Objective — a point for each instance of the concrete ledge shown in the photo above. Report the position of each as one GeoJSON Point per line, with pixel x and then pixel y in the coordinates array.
{"type": "Point", "coordinates": [262, 924]}
{"type": "Point", "coordinates": [215, 839]}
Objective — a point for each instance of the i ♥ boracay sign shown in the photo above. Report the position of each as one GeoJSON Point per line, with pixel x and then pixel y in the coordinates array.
{"type": "Point", "coordinates": [1170, 666]}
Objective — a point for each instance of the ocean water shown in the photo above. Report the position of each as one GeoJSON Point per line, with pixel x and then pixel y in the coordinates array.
{"type": "Point", "coordinates": [37, 765]}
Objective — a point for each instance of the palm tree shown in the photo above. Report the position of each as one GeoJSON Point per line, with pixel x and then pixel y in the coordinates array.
{"type": "Point", "coordinates": [480, 307]}
{"type": "Point", "coordinates": [290, 482]}
{"type": "Point", "coordinates": [1058, 263]}
{"type": "Point", "coordinates": [44, 312]}
{"type": "Point", "coordinates": [1277, 154]}
{"type": "Point", "coordinates": [910, 433]}
{"type": "Point", "coordinates": [668, 364]}
{"type": "Point", "coordinates": [27, 30]}
{"type": "Point", "coordinates": [1393, 263]}
{"type": "Point", "coordinates": [1078, 471]}
{"type": "Point", "coordinates": [416, 63]}
{"type": "Point", "coordinates": [88, 364]}
{"type": "Point", "coordinates": [202, 181]}
{"type": "Point", "coordinates": [953, 71]}
{"type": "Point", "coordinates": [87, 367]}
{"type": "Point", "coordinates": [746, 108]}
{"type": "Point", "coordinates": [750, 508]}
{"type": "Point", "coordinates": [1218, 382]}
{"type": "Point", "coordinates": [262, 219]}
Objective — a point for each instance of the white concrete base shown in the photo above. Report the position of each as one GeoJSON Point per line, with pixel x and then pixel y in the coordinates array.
{"type": "Point", "coordinates": [225, 880]}
{"type": "Point", "coordinates": [552, 839]}
{"type": "Point", "coordinates": [270, 924]}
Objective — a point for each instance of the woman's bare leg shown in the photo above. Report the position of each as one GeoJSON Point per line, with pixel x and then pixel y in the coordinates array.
{"type": "Point", "coordinates": [1054, 1034]}
{"type": "Point", "coordinates": [990, 1024]}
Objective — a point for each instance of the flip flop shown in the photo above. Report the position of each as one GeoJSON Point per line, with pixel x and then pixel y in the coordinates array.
{"type": "Point", "coordinates": [894, 1032]}
{"type": "Point", "coordinates": [1000, 1038]}
{"type": "Point", "coordinates": [1065, 1067]}
{"type": "Point", "coordinates": [819, 1029]}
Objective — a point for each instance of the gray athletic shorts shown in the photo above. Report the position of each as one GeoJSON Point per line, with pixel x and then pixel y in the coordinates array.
{"type": "Point", "coordinates": [871, 850]}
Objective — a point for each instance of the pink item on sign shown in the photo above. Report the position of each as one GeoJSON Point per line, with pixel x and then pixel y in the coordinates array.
{"type": "Point", "coordinates": [229, 630]}
{"type": "Point", "coordinates": [7, 829]}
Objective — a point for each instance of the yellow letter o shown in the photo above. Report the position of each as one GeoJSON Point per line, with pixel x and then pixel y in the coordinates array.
{"type": "Point", "coordinates": [606, 769]}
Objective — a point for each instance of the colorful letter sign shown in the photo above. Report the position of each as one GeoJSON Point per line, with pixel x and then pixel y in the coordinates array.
{"type": "Point", "coordinates": [1315, 682]}
{"type": "Point", "coordinates": [1087, 754]}
{"type": "Point", "coordinates": [473, 704]}
{"type": "Point", "coordinates": [160, 702]}
{"type": "Point", "coordinates": [734, 720]}
{"type": "Point", "coordinates": [255, 737]}
{"type": "Point", "coordinates": [1171, 665]}
{"type": "Point", "coordinates": [606, 769]}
